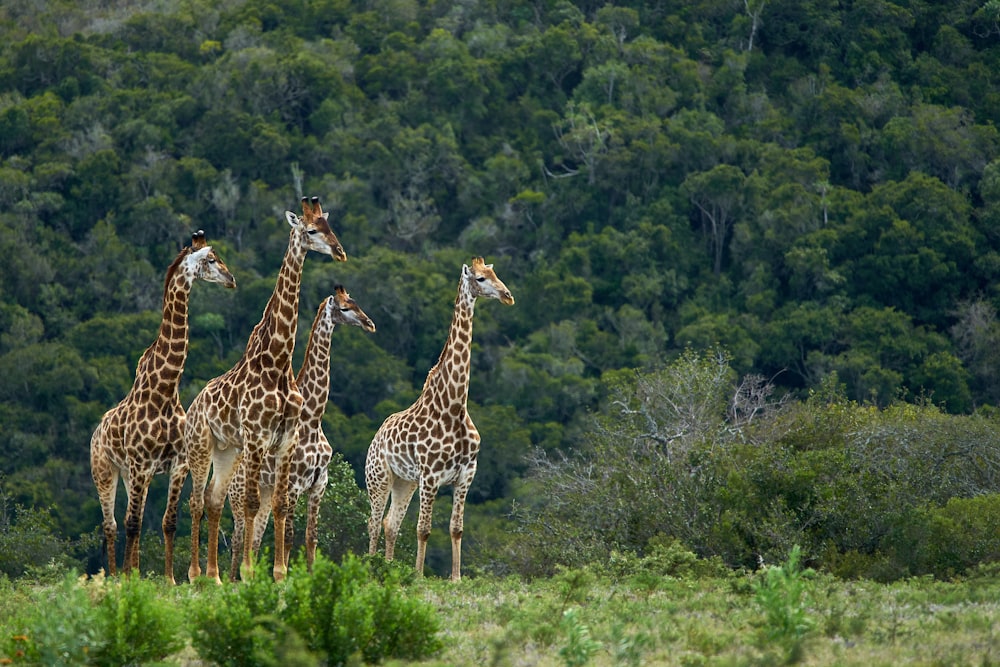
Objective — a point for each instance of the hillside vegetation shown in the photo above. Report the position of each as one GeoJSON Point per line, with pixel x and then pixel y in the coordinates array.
{"type": "Point", "coordinates": [754, 246]}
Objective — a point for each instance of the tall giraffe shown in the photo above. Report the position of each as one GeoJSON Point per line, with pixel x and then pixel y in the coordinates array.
{"type": "Point", "coordinates": [433, 442]}
{"type": "Point", "coordinates": [310, 458]}
{"type": "Point", "coordinates": [253, 409]}
{"type": "Point", "coordinates": [142, 435]}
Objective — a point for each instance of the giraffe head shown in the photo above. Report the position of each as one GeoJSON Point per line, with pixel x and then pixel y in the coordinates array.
{"type": "Point", "coordinates": [484, 282]}
{"type": "Point", "coordinates": [205, 265]}
{"type": "Point", "coordinates": [315, 227]}
{"type": "Point", "coordinates": [342, 309]}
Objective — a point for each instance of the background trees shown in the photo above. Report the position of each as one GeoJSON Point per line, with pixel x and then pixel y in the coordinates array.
{"type": "Point", "coordinates": [813, 187]}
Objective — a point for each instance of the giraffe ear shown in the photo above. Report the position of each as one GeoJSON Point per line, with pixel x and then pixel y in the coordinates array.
{"type": "Point", "coordinates": [292, 219]}
{"type": "Point", "coordinates": [465, 270]}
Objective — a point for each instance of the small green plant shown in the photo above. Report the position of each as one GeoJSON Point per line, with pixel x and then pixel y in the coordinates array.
{"type": "Point", "coordinates": [783, 594]}
{"type": "Point", "coordinates": [344, 611]}
{"type": "Point", "coordinates": [238, 625]}
{"type": "Point", "coordinates": [139, 624]}
{"type": "Point", "coordinates": [56, 628]}
{"type": "Point", "coordinates": [580, 646]}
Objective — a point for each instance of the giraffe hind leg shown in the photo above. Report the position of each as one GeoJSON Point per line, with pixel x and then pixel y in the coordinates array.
{"type": "Point", "coordinates": [378, 496]}
{"type": "Point", "coordinates": [402, 493]}
{"type": "Point", "coordinates": [106, 479]}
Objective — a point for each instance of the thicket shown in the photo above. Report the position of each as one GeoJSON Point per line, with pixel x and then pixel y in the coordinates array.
{"type": "Point", "coordinates": [812, 186]}
{"type": "Point", "coordinates": [340, 613]}
{"type": "Point", "coordinates": [696, 454]}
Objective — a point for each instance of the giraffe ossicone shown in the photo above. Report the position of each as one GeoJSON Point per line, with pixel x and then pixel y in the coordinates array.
{"type": "Point", "coordinates": [142, 435]}
{"type": "Point", "coordinates": [252, 410]}
{"type": "Point", "coordinates": [433, 442]}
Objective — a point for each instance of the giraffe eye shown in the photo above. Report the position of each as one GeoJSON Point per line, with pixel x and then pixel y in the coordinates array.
{"type": "Point", "coordinates": [311, 232]}
{"type": "Point", "coordinates": [481, 279]}
{"type": "Point", "coordinates": [344, 310]}
{"type": "Point", "coordinates": [211, 260]}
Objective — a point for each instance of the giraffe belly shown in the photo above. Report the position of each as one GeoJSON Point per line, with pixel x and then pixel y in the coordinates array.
{"type": "Point", "coordinates": [405, 466]}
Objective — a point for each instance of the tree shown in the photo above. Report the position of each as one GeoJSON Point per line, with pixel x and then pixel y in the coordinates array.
{"type": "Point", "coordinates": [719, 195]}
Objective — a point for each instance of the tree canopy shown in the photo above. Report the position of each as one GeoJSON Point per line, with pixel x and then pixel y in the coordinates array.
{"type": "Point", "coordinates": [812, 186]}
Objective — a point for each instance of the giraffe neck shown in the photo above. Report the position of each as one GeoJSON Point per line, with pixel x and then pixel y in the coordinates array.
{"type": "Point", "coordinates": [162, 364]}
{"type": "Point", "coordinates": [272, 341]}
{"type": "Point", "coordinates": [314, 376]}
{"type": "Point", "coordinates": [448, 382]}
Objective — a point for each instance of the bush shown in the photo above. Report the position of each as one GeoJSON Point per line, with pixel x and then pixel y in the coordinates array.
{"type": "Point", "coordinates": [56, 627]}
{"type": "Point", "coordinates": [343, 611]}
{"type": "Point", "coordinates": [137, 625]}
{"type": "Point", "coordinates": [240, 624]}
{"type": "Point", "coordinates": [949, 540]}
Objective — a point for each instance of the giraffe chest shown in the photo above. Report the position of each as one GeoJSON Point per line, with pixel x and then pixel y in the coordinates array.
{"type": "Point", "coordinates": [143, 434]}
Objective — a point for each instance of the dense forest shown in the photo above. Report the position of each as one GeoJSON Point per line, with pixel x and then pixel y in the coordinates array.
{"type": "Point", "coordinates": [806, 190]}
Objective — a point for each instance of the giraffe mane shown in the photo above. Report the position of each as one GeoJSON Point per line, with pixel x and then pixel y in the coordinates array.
{"type": "Point", "coordinates": [173, 269]}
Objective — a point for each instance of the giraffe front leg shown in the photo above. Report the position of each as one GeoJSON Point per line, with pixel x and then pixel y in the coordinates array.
{"type": "Point", "coordinates": [251, 506]}
{"type": "Point", "coordinates": [427, 494]}
{"type": "Point", "coordinates": [312, 521]}
{"type": "Point", "coordinates": [236, 492]}
{"type": "Point", "coordinates": [283, 469]}
{"type": "Point", "coordinates": [178, 473]}
{"type": "Point", "coordinates": [137, 489]}
{"type": "Point", "coordinates": [224, 464]}
{"type": "Point", "coordinates": [279, 506]}
{"type": "Point", "coordinates": [458, 521]}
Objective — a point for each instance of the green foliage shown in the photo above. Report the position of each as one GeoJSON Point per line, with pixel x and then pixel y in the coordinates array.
{"type": "Point", "coordinates": [783, 593]}
{"type": "Point", "coordinates": [580, 646]}
{"type": "Point", "coordinates": [238, 625]}
{"type": "Point", "coordinates": [650, 178]}
{"type": "Point", "coordinates": [946, 540]}
{"type": "Point", "coordinates": [138, 627]}
{"type": "Point", "coordinates": [341, 611]}
{"type": "Point", "coordinates": [27, 539]}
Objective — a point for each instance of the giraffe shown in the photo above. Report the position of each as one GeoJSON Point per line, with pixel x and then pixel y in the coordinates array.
{"type": "Point", "coordinates": [141, 436]}
{"type": "Point", "coordinates": [253, 409]}
{"type": "Point", "coordinates": [433, 442]}
{"type": "Point", "coordinates": [310, 458]}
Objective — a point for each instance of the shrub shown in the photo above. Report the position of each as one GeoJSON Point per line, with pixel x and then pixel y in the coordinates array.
{"type": "Point", "coordinates": [239, 624]}
{"type": "Point", "coordinates": [343, 611]}
{"type": "Point", "coordinates": [27, 539]}
{"type": "Point", "coordinates": [138, 624]}
{"type": "Point", "coordinates": [948, 540]}
{"type": "Point", "coordinates": [57, 627]}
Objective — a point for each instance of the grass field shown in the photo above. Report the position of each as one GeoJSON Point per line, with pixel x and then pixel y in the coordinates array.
{"type": "Point", "coordinates": [593, 616]}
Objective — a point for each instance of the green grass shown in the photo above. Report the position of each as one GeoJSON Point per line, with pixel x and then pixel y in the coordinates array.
{"type": "Point", "coordinates": [604, 616]}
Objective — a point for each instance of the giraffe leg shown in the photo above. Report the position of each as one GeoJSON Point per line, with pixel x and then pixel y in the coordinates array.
{"type": "Point", "coordinates": [378, 481]}
{"type": "Point", "coordinates": [283, 467]}
{"type": "Point", "coordinates": [224, 462]}
{"type": "Point", "coordinates": [293, 498]}
{"type": "Point", "coordinates": [251, 506]}
{"type": "Point", "coordinates": [236, 491]}
{"type": "Point", "coordinates": [198, 443]}
{"type": "Point", "coordinates": [279, 505]}
{"type": "Point", "coordinates": [138, 487]}
{"type": "Point", "coordinates": [402, 493]}
{"type": "Point", "coordinates": [105, 476]}
{"type": "Point", "coordinates": [312, 518]}
{"type": "Point", "coordinates": [263, 514]}
{"type": "Point", "coordinates": [178, 473]}
{"type": "Point", "coordinates": [458, 520]}
{"type": "Point", "coordinates": [427, 494]}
